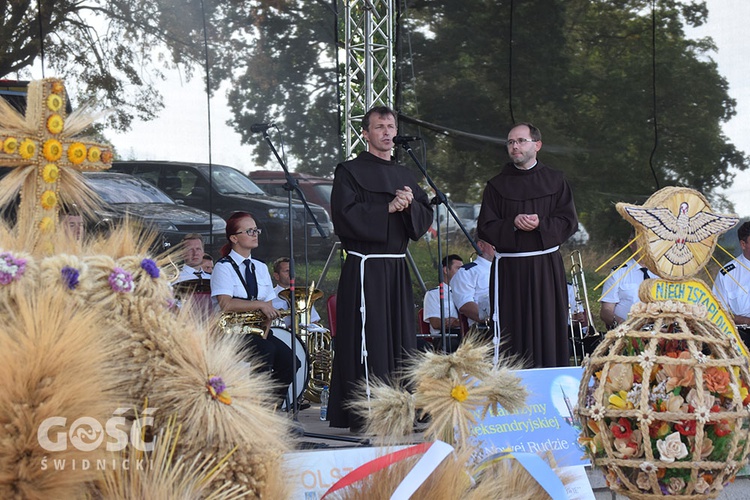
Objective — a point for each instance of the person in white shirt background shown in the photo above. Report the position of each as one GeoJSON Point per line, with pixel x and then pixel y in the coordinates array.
{"type": "Point", "coordinates": [192, 245]}
{"type": "Point", "coordinates": [471, 286]}
{"type": "Point", "coordinates": [283, 281]}
{"type": "Point", "coordinates": [732, 285]}
{"type": "Point", "coordinates": [620, 290]}
{"type": "Point", "coordinates": [208, 263]}
{"type": "Point", "coordinates": [431, 312]}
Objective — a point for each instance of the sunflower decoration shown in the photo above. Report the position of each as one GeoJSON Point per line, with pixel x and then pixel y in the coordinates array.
{"type": "Point", "coordinates": [10, 145]}
{"type": "Point", "coordinates": [27, 149]}
{"type": "Point", "coordinates": [52, 150]}
{"type": "Point", "coordinates": [55, 124]}
{"type": "Point", "coordinates": [95, 154]}
{"type": "Point", "coordinates": [50, 173]}
{"type": "Point", "coordinates": [77, 153]}
{"type": "Point", "coordinates": [46, 224]}
{"type": "Point", "coordinates": [48, 200]}
{"type": "Point", "coordinates": [54, 102]}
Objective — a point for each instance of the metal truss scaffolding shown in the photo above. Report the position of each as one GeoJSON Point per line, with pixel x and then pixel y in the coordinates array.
{"type": "Point", "coordinates": [369, 64]}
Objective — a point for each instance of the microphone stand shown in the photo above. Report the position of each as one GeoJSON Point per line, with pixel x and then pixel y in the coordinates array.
{"type": "Point", "coordinates": [292, 185]}
{"type": "Point", "coordinates": [440, 199]}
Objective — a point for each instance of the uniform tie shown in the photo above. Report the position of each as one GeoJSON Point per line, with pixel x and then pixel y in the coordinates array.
{"type": "Point", "coordinates": [644, 270]}
{"type": "Point", "coordinates": [252, 283]}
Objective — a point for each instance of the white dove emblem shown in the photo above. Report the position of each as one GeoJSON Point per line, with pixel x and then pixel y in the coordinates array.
{"type": "Point", "coordinates": [681, 229]}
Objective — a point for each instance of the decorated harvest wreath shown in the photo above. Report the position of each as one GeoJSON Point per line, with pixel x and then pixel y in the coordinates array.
{"type": "Point", "coordinates": [664, 401]}
{"type": "Point", "coordinates": [90, 335]}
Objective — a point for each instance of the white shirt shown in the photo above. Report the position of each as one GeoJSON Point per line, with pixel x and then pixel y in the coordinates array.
{"type": "Point", "coordinates": [225, 281]}
{"type": "Point", "coordinates": [280, 303]}
{"type": "Point", "coordinates": [432, 306]}
{"type": "Point", "coordinates": [471, 283]}
{"type": "Point", "coordinates": [572, 305]}
{"type": "Point", "coordinates": [731, 296]}
{"type": "Point", "coordinates": [625, 293]}
{"type": "Point", "coordinates": [190, 273]}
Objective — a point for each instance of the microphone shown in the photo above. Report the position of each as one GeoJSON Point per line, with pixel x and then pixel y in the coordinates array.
{"type": "Point", "coordinates": [403, 139]}
{"type": "Point", "coordinates": [260, 127]}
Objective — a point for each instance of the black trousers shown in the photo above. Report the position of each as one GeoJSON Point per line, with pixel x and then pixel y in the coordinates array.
{"type": "Point", "coordinates": [275, 357]}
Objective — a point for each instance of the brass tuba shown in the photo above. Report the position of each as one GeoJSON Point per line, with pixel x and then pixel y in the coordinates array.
{"type": "Point", "coordinates": [320, 347]}
{"type": "Point", "coordinates": [317, 339]}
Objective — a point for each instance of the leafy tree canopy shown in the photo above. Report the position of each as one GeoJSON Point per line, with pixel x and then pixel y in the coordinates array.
{"type": "Point", "coordinates": [582, 70]}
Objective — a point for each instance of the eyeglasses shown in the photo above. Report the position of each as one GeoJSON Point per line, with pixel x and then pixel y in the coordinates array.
{"type": "Point", "coordinates": [520, 142]}
{"type": "Point", "coordinates": [251, 232]}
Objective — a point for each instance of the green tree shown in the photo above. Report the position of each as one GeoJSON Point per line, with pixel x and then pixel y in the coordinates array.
{"type": "Point", "coordinates": [110, 52]}
{"type": "Point", "coordinates": [582, 71]}
{"type": "Point", "coordinates": [277, 55]}
{"type": "Point", "coordinates": [287, 76]}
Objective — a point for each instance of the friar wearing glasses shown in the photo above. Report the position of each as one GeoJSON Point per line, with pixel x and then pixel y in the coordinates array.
{"type": "Point", "coordinates": [527, 213]}
{"type": "Point", "coordinates": [377, 207]}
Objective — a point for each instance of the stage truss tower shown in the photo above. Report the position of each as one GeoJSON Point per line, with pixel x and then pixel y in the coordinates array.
{"type": "Point", "coordinates": [369, 29]}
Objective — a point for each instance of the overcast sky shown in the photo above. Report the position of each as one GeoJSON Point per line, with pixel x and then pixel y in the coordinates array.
{"type": "Point", "coordinates": [181, 132]}
{"type": "Point", "coordinates": [727, 25]}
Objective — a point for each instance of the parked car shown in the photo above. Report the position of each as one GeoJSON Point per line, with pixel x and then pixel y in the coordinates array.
{"type": "Point", "coordinates": [580, 237]}
{"type": "Point", "coordinates": [316, 189]}
{"type": "Point", "coordinates": [467, 213]}
{"type": "Point", "coordinates": [130, 196]}
{"type": "Point", "coordinates": [228, 190]}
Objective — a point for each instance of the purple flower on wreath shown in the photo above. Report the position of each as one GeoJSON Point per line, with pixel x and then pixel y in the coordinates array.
{"type": "Point", "coordinates": [11, 269]}
{"type": "Point", "coordinates": [121, 281]}
{"type": "Point", "coordinates": [70, 277]}
{"type": "Point", "coordinates": [217, 384]}
{"type": "Point", "coordinates": [150, 267]}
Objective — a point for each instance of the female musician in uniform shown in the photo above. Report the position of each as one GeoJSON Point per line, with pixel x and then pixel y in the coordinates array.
{"type": "Point", "coordinates": [242, 284]}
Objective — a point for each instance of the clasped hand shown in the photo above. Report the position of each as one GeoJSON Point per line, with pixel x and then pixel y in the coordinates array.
{"type": "Point", "coordinates": [526, 222]}
{"type": "Point", "coordinates": [401, 202]}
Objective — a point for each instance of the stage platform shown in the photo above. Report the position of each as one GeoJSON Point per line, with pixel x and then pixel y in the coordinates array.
{"type": "Point", "coordinates": [309, 420]}
{"type": "Point", "coordinates": [318, 435]}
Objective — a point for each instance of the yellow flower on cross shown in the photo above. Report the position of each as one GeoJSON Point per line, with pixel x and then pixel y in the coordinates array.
{"type": "Point", "coordinates": [54, 102]}
{"type": "Point", "coordinates": [46, 224]}
{"type": "Point", "coordinates": [52, 150]}
{"type": "Point", "coordinates": [51, 173]}
{"type": "Point", "coordinates": [10, 145]}
{"type": "Point", "coordinates": [49, 199]}
{"type": "Point", "coordinates": [55, 124]}
{"type": "Point", "coordinates": [27, 149]}
{"type": "Point", "coordinates": [95, 154]}
{"type": "Point", "coordinates": [77, 153]}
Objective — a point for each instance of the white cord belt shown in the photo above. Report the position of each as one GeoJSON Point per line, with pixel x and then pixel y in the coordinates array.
{"type": "Point", "coordinates": [363, 310]}
{"type": "Point", "coordinates": [496, 309]}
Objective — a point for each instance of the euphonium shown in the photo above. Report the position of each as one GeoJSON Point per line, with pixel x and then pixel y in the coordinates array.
{"type": "Point", "coordinates": [316, 338]}
{"type": "Point", "coordinates": [304, 297]}
{"type": "Point", "coordinates": [320, 347]}
{"type": "Point", "coordinates": [248, 322]}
